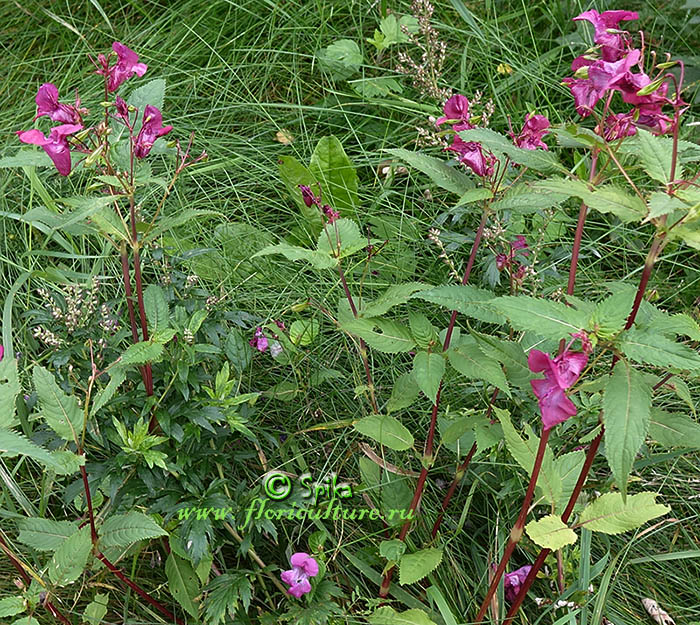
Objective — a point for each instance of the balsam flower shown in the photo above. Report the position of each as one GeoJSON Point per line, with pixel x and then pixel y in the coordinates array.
{"type": "Point", "coordinates": [471, 154]}
{"type": "Point", "coordinates": [455, 109]}
{"type": "Point", "coordinates": [513, 581]}
{"type": "Point", "coordinates": [560, 373]}
{"type": "Point", "coordinates": [56, 145]}
{"type": "Point", "coordinates": [47, 104]}
{"type": "Point", "coordinates": [297, 578]}
{"type": "Point", "coordinates": [259, 340]}
{"type": "Point", "coordinates": [534, 128]}
{"type": "Point", "coordinates": [607, 34]}
{"type": "Point", "coordinates": [127, 65]}
{"type": "Point", "coordinates": [151, 129]}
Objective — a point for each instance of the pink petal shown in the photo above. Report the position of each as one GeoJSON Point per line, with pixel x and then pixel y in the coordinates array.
{"type": "Point", "coordinates": [33, 137]}
{"type": "Point", "coordinates": [300, 589]}
{"type": "Point", "coordinates": [538, 361]}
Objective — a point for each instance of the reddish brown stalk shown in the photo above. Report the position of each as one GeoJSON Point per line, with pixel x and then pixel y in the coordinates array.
{"type": "Point", "coordinates": [428, 450]}
{"type": "Point", "coordinates": [88, 500]}
{"type": "Point", "coordinates": [517, 531]}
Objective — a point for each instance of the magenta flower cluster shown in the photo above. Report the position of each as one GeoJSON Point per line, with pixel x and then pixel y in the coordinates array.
{"type": "Point", "coordinates": [57, 146]}
{"type": "Point", "coordinates": [313, 200]}
{"type": "Point", "coordinates": [472, 153]}
{"type": "Point", "coordinates": [297, 578]}
{"type": "Point", "coordinates": [608, 68]}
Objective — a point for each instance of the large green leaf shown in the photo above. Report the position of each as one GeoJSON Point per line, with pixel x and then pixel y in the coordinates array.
{"type": "Point", "coordinates": [650, 347]}
{"type": "Point", "coordinates": [611, 514]}
{"type": "Point", "coordinates": [568, 466]}
{"type": "Point", "coordinates": [122, 530]}
{"type": "Point", "coordinates": [626, 406]}
{"type": "Point", "coordinates": [319, 260]}
{"type": "Point", "coordinates": [60, 411]}
{"type": "Point", "coordinates": [13, 444]}
{"type": "Point", "coordinates": [10, 606]}
{"type": "Point", "coordinates": [341, 238]}
{"type": "Point", "coordinates": [182, 583]}
{"type": "Point", "coordinates": [441, 173]}
{"type": "Point", "coordinates": [415, 566]}
{"type": "Point", "coordinates": [528, 198]}
{"type": "Point", "coordinates": [655, 154]}
{"type": "Point", "coordinates": [546, 318]}
{"type": "Point", "coordinates": [550, 532]}
{"type": "Point", "coordinates": [386, 615]}
{"type": "Point", "coordinates": [336, 174]}
{"type": "Point", "coordinates": [393, 296]}
{"type": "Point", "coordinates": [169, 222]}
{"type": "Point", "coordinates": [393, 338]}
{"type": "Point", "coordinates": [469, 300]}
{"type": "Point", "coordinates": [612, 199]}
{"type": "Point", "coordinates": [428, 370]}
{"type": "Point", "coordinates": [293, 174]}
{"type": "Point", "coordinates": [70, 559]}
{"type": "Point", "coordinates": [9, 389]}
{"type": "Point", "coordinates": [157, 311]}
{"type": "Point", "coordinates": [510, 354]}
{"type": "Point", "coordinates": [404, 393]}
{"type": "Point", "coordinates": [674, 430]}
{"type": "Point", "coordinates": [386, 430]}
{"type": "Point", "coordinates": [45, 534]}
{"type": "Point", "coordinates": [96, 610]}
{"type": "Point", "coordinates": [468, 358]}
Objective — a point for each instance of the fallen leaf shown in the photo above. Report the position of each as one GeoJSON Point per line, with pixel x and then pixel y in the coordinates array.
{"type": "Point", "coordinates": [660, 616]}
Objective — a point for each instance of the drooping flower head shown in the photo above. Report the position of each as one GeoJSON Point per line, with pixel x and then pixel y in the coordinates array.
{"type": "Point", "coordinates": [56, 145]}
{"type": "Point", "coordinates": [560, 373]}
{"type": "Point", "coordinates": [127, 65]}
{"type": "Point", "coordinates": [471, 154]}
{"type": "Point", "coordinates": [534, 128]}
{"type": "Point", "coordinates": [151, 129]}
{"type": "Point", "coordinates": [607, 33]}
{"type": "Point", "coordinates": [513, 581]}
{"type": "Point", "coordinates": [330, 213]}
{"type": "Point", "coordinates": [47, 104]}
{"type": "Point", "coordinates": [297, 578]}
{"type": "Point", "coordinates": [455, 109]}
{"type": "Point", "coordinates": [308, 196]}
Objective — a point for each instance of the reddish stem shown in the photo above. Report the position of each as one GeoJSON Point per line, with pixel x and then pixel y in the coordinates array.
{"type": "Point", "coordinates": [517, 531]}
{"type": "Point", "coordinates": [88, 499]}
{"type": "Point", "coordinates": [428, 451]}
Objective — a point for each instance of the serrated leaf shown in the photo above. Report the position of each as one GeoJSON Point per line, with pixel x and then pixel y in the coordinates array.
{"type": "Point", "coordinates": [70, 559]}
{"type": "Point", "coordinates": [626, 406]}
{"type": "Point", "coordinates": [550, 532]}
{"type": "Point", "coordinates": [395, 295]}
{"type": "Point", "coordinates": [9, 389]}
{"type": "Point", "coordinates": [341, 238]}
{"type": "Point", "coordinates": [428, 370]}
{"type": "Point", "coordinates": [611, 199]}
{"type": "Point", "coordinates": [610, 514]}
{"type": "Point", "coordinates": [182, 583]}
{"type": "Point", "coordinates": [342, 58]}
{"type": "Point", "coordinates": [393, 338]}
{"type": "Point", "coordinates": [528, 198]}
{"type": "Point", "coordinates": [415, 566]}
{"type": "Point", "coordinates": [546, 318]}
{"type": "Point", "coordinates": [96, 610]}
{"type": "Point", "coordinates": [141, 353]}
{"type": "Point", "coordinates": [674, 430]}
{"type": "Point", "coordinates": [404, 393]}
{"type": "Point", "coordinates": [386, 430]}
{"type": "Point", "coordinates": [468, 359]}
{"type": "Point", "coordinates": [440, 172]}
{"type": "Point", "coordinates": [65, 462]}
{"type": "Point", "coordinates": [238, 350]}
{"type": "Point", "coordinates": [392, 549]}
{"type": "Point", "coordinates": [421, 329]}
{"type": "Point", "coordinates": [336, 174]}
{"type": "Point", "coordinates": [10, 606]}
{"type": "Point", "coordinates": [60, 411]}
{"type": "Point", "coordinates": [655, 154]}
{"type": "Point", "coordinates": [568, 466]}
{"type": "Point", "coordinates": [386, 615]}
{"type": "Point", "coordinates": [157, 310]}
{"type": "Point", "coordinates": [648, 346]}
{"type": "Point", "coordinates": [466, 299]}
{"type": "Point", "coordinates": [223, 596]}
{"type": "Point", "coordinates": [319, 260]}
{"type": "Point", "coordinates": [117, 377]}
{"type": "Point", "coordinates": [152, 92]}
{"type": "Point", "coordinates": [679, 324]}
{"type": "Point", "coordinates": [510, 354]}
{"type": "Point", "coordinates": [661, 203]}
{"type": "Point", "coordinates": [122, 530]}
{"type": "Point", "coordinates": [45, 534]}
{"type": "Point", "coordinates": [14, 444]}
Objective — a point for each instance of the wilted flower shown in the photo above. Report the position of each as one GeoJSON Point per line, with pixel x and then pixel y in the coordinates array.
{"type": "Point", "coordinates": [127, 65]}
{"type": "Point", "coordinates": [297, 578]}
{"type": "Point", "coordinates": [560, 373]}
{"type": "Point", "coordinates": [151, 129]}
{"type": "Point", "coordinates": [330, 213]}
{"type": "Point", "coordinates": [56, 145]}
{"type": "Point", "coordinates": [513, 581]}
{"type": "Point", "coordinates": [534, 128]}
{"type": "Point", "coordinates": [471, 154]}
{"type": "Point", "coordinates": [47, 104]}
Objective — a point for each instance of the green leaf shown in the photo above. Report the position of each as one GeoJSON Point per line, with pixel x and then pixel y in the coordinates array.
{"type": "Point", "coordinates": [122, 530]}
{"type": "Point", "coordinates": [391, 28]}
{"type": "Point", "coordinates": [528, 198]}
{"type": "Point", "coordinates": [96, 610]}
{"type": "Point", "coordinates": [674, 430]}
{"type": "Point", "coordinates": [546, 318]}
{"type": "Point", "coordinates": [65, 462]}
{"type": "Point", "coordinates": [141, 353]}
{"type": "Point", "coordinates": [386, 615]}
{"type": "Point", "coordinates": [70, 559]}
{"type": "Point", "coordinates": [342, 58]}
{"type": "Point", "coordinates": [650, 347]}
{"type": "Point", "coordinates": [524, 452]}
{"type": "Point", "coordinates": [157, 310]}
{"type": "Point", "coordinates": [238, 350]}
{"type": "Point", "coordinates": [421, 329]}
{"type": "Point", "coordinates": [466, 299]}
{"type": "Point", "coordinates": [568, 466]}
{"type": "Point", "coordinates": [415, 566]}
{"type": "Point", "coordinates": [9, 606]}
{"type": "Point", "coordinates": [474, 195]}
{"type": "Point", "coordinates": [14, 444]}
{"type": "Point", "coordinates": [510, 354]}
{"type": "Point", "coordinates": [106, 221]}
{"type": "Point", "coordinates": [293, 173]}
{"type": "Point", "coordinates": [117, 376]}
{"type": "Point", "coordinates": [27, 157]}
{"type": "Point", "coordinates": [550, 532]}
{"type": "Point", "coordinates": [467, 358]}
{"type": "Point", "coordinates": [626, 406]}
{"type": "Point", "coordinates": [611, 199]}
{"type": "Point", "coordinates": [679, 324]}
{"type": "Point", "coordinates": [404, 393]}
{"type": "Point", "coordinates": [610, 315]}
{"type": "Point", "coordinates": [661, 203]}
{"type": "Point", "coordinates": [386, 430]}
{"type": "Point", "coordinates": [428, 370]}
{"type": "Point", "coordinates": [655, 154]}
{"type": "Point", "coordinates": [224, 594]}
{"type": "Point", "coordinates": [60, 411]}
{"type": "Point", "coordinates": [381, 86]}
{"type": "Point", "coordinates": [152, 92]}
{"type": "Point", "coordinates": [395, 295]}
{"type": "Point", "coordinates": [445, 176]}
{"type": "Point", "coordinates": [341, 238]}
{"type": "Point", "coordinates": [45, 534]}
{"type": "Point", "coordinates": [9, 389]}
{"type": "Point", "coordinates": [26, 620]}
{"type": "Point", "coordinates": [393, 338]}
{"type": "Point", "coordinates": [170, 222]}
{"type": "Point", "coordinates": [182, 583]}
{"type": "Point", "coordinates": [319, 260]}
{"type": "Point", "coordinates": [610, 514]}
{"type": "Point", "coordinates": [336, 174]}
{"type": "Point", "coordinates": [392, 549]}
{"type": "Point", "coordinates": [303, 332]}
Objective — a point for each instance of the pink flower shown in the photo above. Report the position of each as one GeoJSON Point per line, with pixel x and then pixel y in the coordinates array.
{"type": "Point", "coordinates": [297, 578]}
{"type": "Point", "coordinates": [560, 373]}
{"type": "Point", "coordinates": [259, 340]}
{"type": "Point", "coordinates": [330, 214]}
{"type": "Point", "coordinates": [151, 129]}
{"type": "Point", "coordinates": [308, 196]}
{"type": "Point", "coordinates": [607, 35]}
{"type": "Point", "coordinates": [471, 154]}
{"type": "Point", "coordinates": [520, 244]}
{"type": "Point", "coordinates": [47, 104]}
{"type": "Point", "coordinates": [607, 74]}
{"type": "Point", "coordinates": [619, 126]}
{"type": "Point", "coordinates": [456, 109]}
{"type": "Point", "coordinates": [534, 128]}
{"type": "Point", "coordinates": [513, 581]}
{"type": "Point", "coordinates": [56, 146]}
{"type": "Point", "coordinates": [127, 65]}
{"type": "Point", "coordinates": [585, 95]}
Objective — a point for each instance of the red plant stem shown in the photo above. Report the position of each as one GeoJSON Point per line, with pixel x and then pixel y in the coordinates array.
{"type": "Point", "coordinates": [428, 451]}
{"type": "Point", "coordinates": [138, 590]}
{"type": "Point", "coordinates": [88, 499]}
{"type": "Point", "coordinates": [517, 531]}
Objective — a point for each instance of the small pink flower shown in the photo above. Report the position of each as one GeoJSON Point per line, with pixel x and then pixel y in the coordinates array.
{"type": "Point", "coordinates": [308, 196]}
{"type": "Point", "coordinates": [297, 578]}
{"type": "Point", "coordinates": [151, 129]}
{"type": "Point", "coordinates": [259, 340]}
{"type": "Point", "coordinates": [471, 154]}
{"type": "Point", "coordinates": [56, 145]}
{"type": "Point", "coordinates": [127, 65]}
{"type": "Point", "coordinates": [534, 128]}
{"type": "Point", "coordinates": [513, 581]}
{"type": "Point", "coordinates": [330, 213]}
{"type": "Point", "coordinates": [47, 104]}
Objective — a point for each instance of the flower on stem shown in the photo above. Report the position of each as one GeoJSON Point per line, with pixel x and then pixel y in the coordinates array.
{"type": "Point", "coordinates": [471, 154]}
{"type": "Point", "coordinates": [56, 145]}
{"type": "Point", "coordinates": [534, 128]}
{"type": "Point", "coordinates": [611, 40]}
{"type": "Point", "coordinates": [259, 340]}
{"type": "Point", "coordinates": [330, 213]}
{"type": "Point", "coordinates": [297, 578]}
{"type": "Point", "coordinates": [456, 110]}
{"type": "Point", "coordinates": [513, 581]}
{"type": "Point", "coordinates": [151, 129]}
{"type": "Point", "coordinates": [123, 111]}
{"type": "Point", "coordinates": [560, 373]}
{"type": "Point", "coordinates": [127, 65]}
{"type": "Point", "coordinates": [47, 104]}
